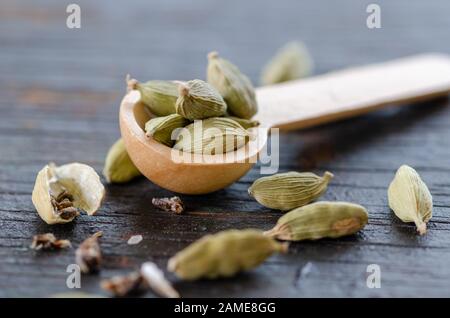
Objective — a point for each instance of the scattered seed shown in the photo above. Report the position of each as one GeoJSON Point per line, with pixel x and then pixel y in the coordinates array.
{"type": "Point", "coordinates": [63, 206]}
{"type": "Point", "coordinates": [48, 241]}
{"type": "Point", "coordinates": [121, 286]}
{"type": "Point", "coordinates": [88, 255]}
{"type": "Point", "coordinates": [64, 195]}
{"type": "Point", "coordinates": [157, 282]}
{"type": "Point", "coordinates": [68, 213]}
{"type": "Point", "coordinates": [173, 204]}
{"type": "Point", "coordinates": [306, 269]}
{"type": "Point", "coordinates": [135, 239]}
{"type": "Point", "coordinates": [65, 203]}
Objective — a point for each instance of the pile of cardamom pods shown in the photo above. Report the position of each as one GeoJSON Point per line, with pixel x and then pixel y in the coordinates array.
{"type": "Point", "coordinates": [222, 107]}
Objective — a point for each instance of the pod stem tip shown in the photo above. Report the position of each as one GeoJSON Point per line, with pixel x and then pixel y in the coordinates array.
{"type": "Point", "coordinates": [131, 83]}
{"type": "Point", "coordinates": [422, 228]}
{"type": "Point", "coordinates": [213, 55]}
{"type": "Point", "coordinates": [183, 90]}
{"type": "Point", "coordinates": [328, 175]}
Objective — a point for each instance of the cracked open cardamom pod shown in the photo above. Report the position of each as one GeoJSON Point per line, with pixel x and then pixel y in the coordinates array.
{"type": "Point", "coordinates": [212, 136]}
{"type": "Point", "coordinates": [291, 62]}
{"type": "Point", "coordinates": [118, 165]}
{"type": "Point", "coordinates": [224, 254]}
{"type": "Point", "coordinates": [236, 88]}
{"type": "Point", "coordinates": [159, 96]}
{"type": "Point", "coordinates": [161, 128]}
{"type": "Point", "coordinates": [289, 190]}
{"type": "Point", "coordinates": [319, 220]}
{"type": "Point", "coordinates": [410, 198]}
{"type": "Point", "coordinates": [60, 191]}
{"type": "Point", "coordinates": [199, 100]}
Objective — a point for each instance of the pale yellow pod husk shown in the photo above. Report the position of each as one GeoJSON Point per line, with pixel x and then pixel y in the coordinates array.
{"type": "Point", "coordinates": [291, 62]}
{"type": "Point", "coordinates": [118, 165]}
{"type": "Point", "coordinates": [320, 220]}
{"type": "Point", "coordinates": [162, 129]}
{"type": "Point", "coordinates": [235, 87]}
{"type": "Point", "coordinates": [156, 280]}
{"type": "Point", "coordinates": [159, 96]}
{"type": "Point", "coordinates": [410, 198]}
{"type": "Point", "coordinates": [60, 190]}
{"type": "Point", "coordinates": [289, 190]}
{"type": "Point", "coordinates": [212, 136]}
{"type": "Point", "coordinates": [224, 254]}
{"type": "Point", "coordinates": [199, 100]}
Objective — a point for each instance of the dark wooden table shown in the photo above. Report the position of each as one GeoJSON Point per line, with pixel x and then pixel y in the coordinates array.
{"type": "Point", "coordinates": [59, 96]}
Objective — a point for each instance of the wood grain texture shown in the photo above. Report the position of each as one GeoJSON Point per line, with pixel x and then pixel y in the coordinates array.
{"type": "Point", "coordinates": [353, 91]}
{"type": "Point", "coordinates": [60, 91]}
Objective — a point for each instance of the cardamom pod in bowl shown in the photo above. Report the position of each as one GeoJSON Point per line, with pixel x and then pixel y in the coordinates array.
{"type": "Point", "coordinates": [236, 88]}
{"type": "Point", "coordinates": [212, 136]}
{"type": "Point", "coordinates": [199, 100]}
{"type": "Point", "coordinates": [410, 198]}
{"type": "Point", "coordinates": [158, 96]}
{"type": "Point", "coordinates": [320, 220]}
{"type": "Point", "coordinates": [289, 190]}
{"type": "Point", "coordinates": [162, 129]}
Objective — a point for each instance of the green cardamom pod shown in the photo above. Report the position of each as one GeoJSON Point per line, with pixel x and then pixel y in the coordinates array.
{"type": "Point", "coordinates": [161, 128]}
{"type": "Point", "coordinates": [236, 88]}
{"type": "Point", "coordinates": [289, 190]}
{"type": "Point", "coordinates": [199, 100]}
{"type": "Point", "coordinates": [410, 198]}
{"type": "Point", "coordinates": [245, 123]}
{"type": "Point", "coordinates": [224, 254]}
{"type": "Point", "coordinates": [319, 220]}
{"type": "Point", "coordinates": [118, 166]}
{"type": "Point", "coordinates": [212, 136]}
{"type": "Point", "coordinates": [291, 62]}
{"type": "Point", "coordinates": [159, 96]}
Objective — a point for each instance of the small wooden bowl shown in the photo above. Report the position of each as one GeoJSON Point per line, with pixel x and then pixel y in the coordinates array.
{"type": "Point", "coordinates": [198, 174]}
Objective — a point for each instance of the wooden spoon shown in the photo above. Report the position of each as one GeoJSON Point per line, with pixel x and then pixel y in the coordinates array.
{"type": "Point", "coordinates": [292, 105]}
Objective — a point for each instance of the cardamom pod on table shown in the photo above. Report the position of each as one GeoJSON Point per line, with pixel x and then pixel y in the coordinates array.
{"type": "Point", "coordinates": [118, 165]}
{"type": "Point", "coordinates": [199, 100]}
{"type": "Point", "coordinates": [236, 88]}
{"type": "Point", "coordinates": [291, 62]}
{"type": "Point", "coordinates": [224, 254]}
{"type": "Point", "coordinates": [159, 96]}
{"type": "Point", "coordinates": [289, 190]}
{"type": "Point", "coordinates": [319, 220]}
{"type": "Point", "coordinates": [212, 136]}
{"type": "Point", "coordinates": [410, 198]}
{"type": "Point", "coordinates": [61, 192]}
{"type": "Point", "coordinates": [161, 128]}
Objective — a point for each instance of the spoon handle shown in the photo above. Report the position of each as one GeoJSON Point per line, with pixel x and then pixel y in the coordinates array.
{"type": "Point", "coordinates": [354, 91]}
